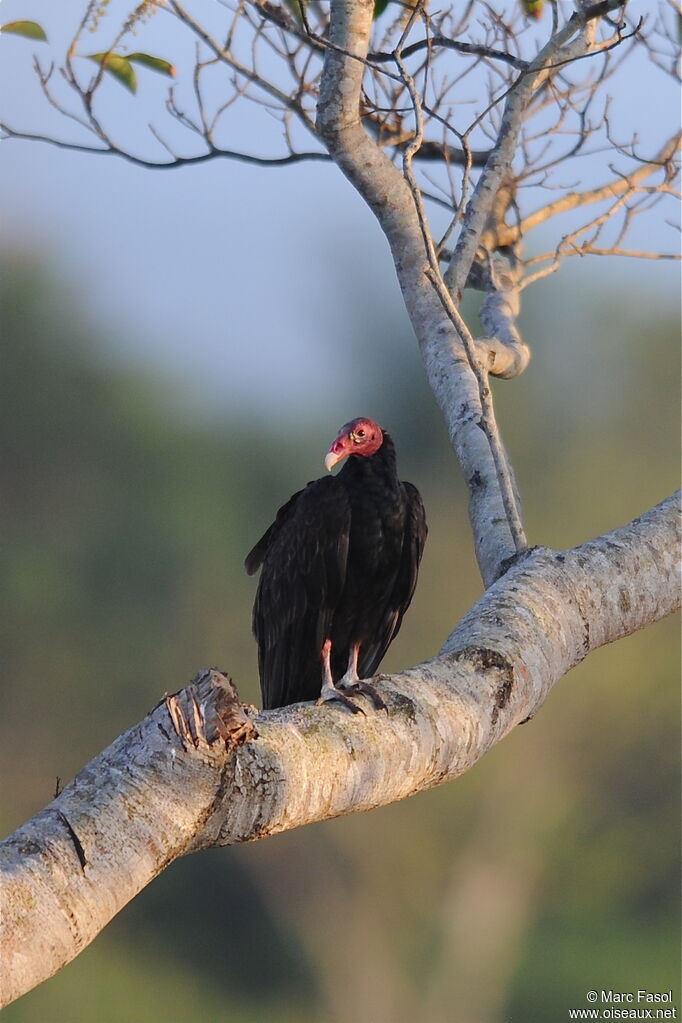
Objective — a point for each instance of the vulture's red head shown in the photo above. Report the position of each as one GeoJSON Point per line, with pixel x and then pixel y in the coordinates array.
{"type": "Point", "coordinates": [359, 437]}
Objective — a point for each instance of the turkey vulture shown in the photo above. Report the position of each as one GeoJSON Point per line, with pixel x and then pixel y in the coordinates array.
{"type": "Point", "coordinates": [338, 569]}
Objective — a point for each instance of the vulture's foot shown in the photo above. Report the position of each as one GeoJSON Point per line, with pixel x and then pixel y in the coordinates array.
{"type": "Point", "coordinates": [331, 692]}
{"type": "Point", "coordinates": [367, 688]}
{"type": "Point", "coordinates": [341, 691]}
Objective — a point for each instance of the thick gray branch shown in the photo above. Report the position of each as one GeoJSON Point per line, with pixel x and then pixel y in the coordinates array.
{"type": "Point", "coordinates": [503, 351]}
{"type": "Point", "coordinates": [162, 790]}
{"type": "Point", "coordinates": [388, 195]}
{"type": "Point", "coordinates": [459, 382]}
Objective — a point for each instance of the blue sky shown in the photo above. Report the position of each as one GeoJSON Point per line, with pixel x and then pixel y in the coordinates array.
{"type": "Point", "coordinates": [236, 279]}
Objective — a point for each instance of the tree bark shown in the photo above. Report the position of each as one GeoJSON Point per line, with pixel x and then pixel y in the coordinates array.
{"type": "Point", "coordinates": [387, 193]}
{"type": "Point", "coordinates": [193, 775]}
{"type": "Point", "coordinates": [200, 770]}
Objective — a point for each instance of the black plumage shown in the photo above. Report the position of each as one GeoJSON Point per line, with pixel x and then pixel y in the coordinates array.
{"type": "Point", "coordinates": [338, 570]}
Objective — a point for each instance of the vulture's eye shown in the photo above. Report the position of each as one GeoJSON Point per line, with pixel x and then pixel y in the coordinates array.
{"type": "Point", "coordinates": [360, 433]}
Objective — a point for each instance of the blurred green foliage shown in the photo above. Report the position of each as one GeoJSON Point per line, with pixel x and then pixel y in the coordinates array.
{"type": "Point", "coordinates": [549, 870]}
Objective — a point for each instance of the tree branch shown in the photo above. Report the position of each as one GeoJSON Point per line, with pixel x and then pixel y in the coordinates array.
{"type": "Point", "coordinates": [193, 775]}
{"type": "Point", "coordinates": [574, 200]}
{"type": "Point", "coordinates": [391, 199]}
{"type": "Point", "coordinates": [503, 351]}
{"type": "Point", "coordinates": [488, 423]}
{"type": "Point", "coordinates": [443, 42]}
{"type": "Point", "coordinates": [500, 160]}
{"type": "Point", "coordinates": [286, 101]}
{"type": "Point", "coordinates": [177, 161]}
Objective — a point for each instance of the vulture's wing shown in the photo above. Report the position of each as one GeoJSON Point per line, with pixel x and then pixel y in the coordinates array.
{"type": "Point", "coordinates": [303, 557]}
{"type": "Point", "coordinates": [254, 559]}
{"type": "Point", "coordinates": [400, 595]}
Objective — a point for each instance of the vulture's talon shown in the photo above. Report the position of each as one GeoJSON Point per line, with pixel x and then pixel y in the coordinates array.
{"type": "Point", "coordinates": [368, 690]}
{"type": "Point", "coordinates": [332, 693]}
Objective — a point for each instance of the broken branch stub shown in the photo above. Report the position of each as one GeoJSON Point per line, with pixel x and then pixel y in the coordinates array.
{"type": "Point", "coordinates": [209, 710]}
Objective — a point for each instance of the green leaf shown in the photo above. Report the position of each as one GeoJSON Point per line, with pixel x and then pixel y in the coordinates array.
{"type": "Point", "coordinates": [533, 8]}
{"type": "Point", "coordinates": [379, 7]}
{"type": "Point", "coordinates": [120, 67]}
{"type": "Point", "coordinates": [28, 29]}
{"type": "Point", "coordinates": [164, 67]}
{"type": "Point", "coordinates": [295, 8]}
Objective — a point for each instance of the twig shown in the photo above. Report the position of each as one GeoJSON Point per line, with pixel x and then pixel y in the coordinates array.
{"type": "Point", "coordinates": [591, 250]}
{"type": "Point", "coordinates": [178, 161]}
{"type": "Point", "coordinates": [488, 422]}
{"type": "Point", "coordinates": [439, 41]}
{"type": "Point", "coordinates": [576, 199]}
{"type": "Point", "coordinates": [517, 98]}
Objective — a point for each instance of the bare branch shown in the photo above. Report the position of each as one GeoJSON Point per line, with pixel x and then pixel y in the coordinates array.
{"type": "Point", "coordinates": [454, 383]}
{"type": "Point", "coordinates": [177, 161]}
{"type": "Point", "coordinates": [194, 775]}
{"type": "Point", "coordinates": [499, 162]}
{"type": "Point", "coordinates": [586, 249]}
{"type": "Point", "coordinates": [488, 423]}
{"type": "Point", "coordinates": [438, 41]}
{"type": "Point", "coordinates": [574, 200]}
{"type": "Point", "coordinates": [503, 352]}
{"type": "Point", "coordinates": [283, 98]}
